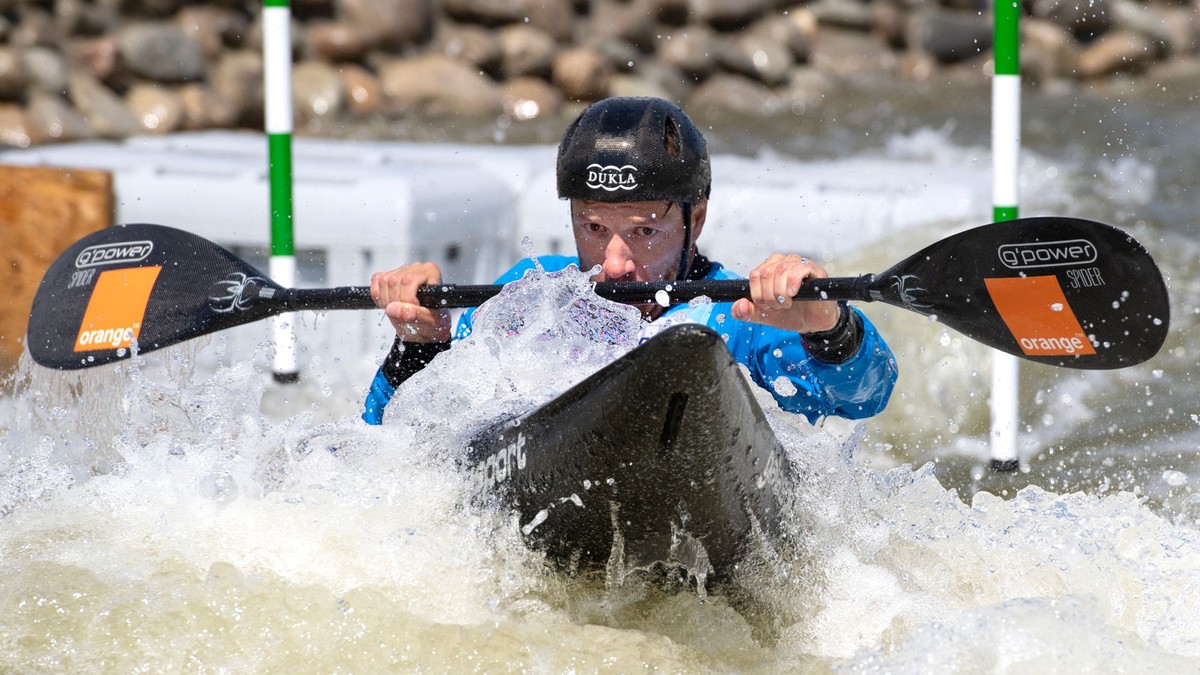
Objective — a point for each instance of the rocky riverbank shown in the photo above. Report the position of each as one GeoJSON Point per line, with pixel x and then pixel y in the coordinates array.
{"type": "Point", "coordinates": [80, 69]}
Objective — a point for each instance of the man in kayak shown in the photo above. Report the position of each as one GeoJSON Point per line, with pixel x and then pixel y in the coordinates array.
{"type": "Point", "coordinates": [637, 174]}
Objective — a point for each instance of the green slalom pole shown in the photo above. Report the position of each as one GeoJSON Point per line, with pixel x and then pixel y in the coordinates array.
{"type": "Point", "coordinates": [277, 85]}
{"type": "Point", "coordinates": [1006, 147]}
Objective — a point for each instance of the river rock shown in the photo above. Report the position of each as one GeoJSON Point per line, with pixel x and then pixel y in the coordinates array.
{"type": "Point", "coordinates": [555, 17]}
{"type": "Point", "coordinates": [851, 55]}
{"type": "Point", "coordinates": [150, 8]}
{"type": "Point", "coordinates": [795, 32]}
{"type": "Point", "coordinates": [844, 14]}
{"type": "Point", "coordinates": [581, 74]}
{"type": "Point", "coordinates": [1047, 51]}
{"type": "Point", "coordinates": [469, 44]}
{"type": "Point", "coordinates": [724, 94]}
{"type": "Point", "coordinates": [14, 76]}
{"type": "Point", "coordinates": [527, 98]}
{"type": "Point", "coordinates": [670, 12]}
{"type": "Point", "coordinates": [637, 85]}
{"type": "Point", "coordinates": [99, 57]}
{"type": "Point", "coordinates": [52, 119]}
{"type": "Point", "coordinates": [337, 41]}
{"type": "Point", "coordinates": [393, 24]}
{"type": "Point", "coordinates": [161, 52]}
{"type": "Point", "coordinates": [756, 55]}
{"type": "Point", "coordinates": [105, 112]}
{"type": "Point", "coordinates": [82, 18]}
{"type": "Point", "coordinates": [156, 108]}
{"type": "Point", "coordinates": [1086, 20]}
{"type": "Point", "coordinates": [318, 91]}
{"type": "Point", "coordinates": [727, 14]}
{"type": "Point", "coordinates": [692, 50]}
{"type": "Point", "coordinates": [615, 20]}
{"type": "Point", "coordinates": [950, 35]}
{"type": "Point", "coordinates": [432, 85]}
{"type": "Point", "coordinates": [214, 28]}
{"type": "Point", "coordinates": [1148, 22]}
{"type": "Point", "coordinates": [238, 79]}
{"type": "Point", "coordinates": [35, 29]}
{"type": "Point", "coordinates": [525, 50]}
{"type": "Point", "coordinates": [14, 126]}
{"type": "Point", "coordinates": [806, 90]}
{"type": "Point", "coordinates": [203, 108]}
{"type": "Point", "coordinates": [621, 55]}
{"type": "Point", "coordinates": [660, 76]}
{"type": "Point", "coordinates": [1117, 51]}
{"type": "Point", "coordinates": [487, 12]}
{"type": "Point", "coordinates": [364, 97]}
{"type": "Point", "coordinates": [46, 68]}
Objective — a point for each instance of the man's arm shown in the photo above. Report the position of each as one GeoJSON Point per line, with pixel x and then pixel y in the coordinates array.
{"type": "Point", "coordinates": [848, 371]}
{"type": "Point", "coordinates": [402, 362]}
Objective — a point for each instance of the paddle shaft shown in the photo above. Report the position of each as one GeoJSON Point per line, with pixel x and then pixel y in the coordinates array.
{"type": "Point", "coordinates": [452, 296]}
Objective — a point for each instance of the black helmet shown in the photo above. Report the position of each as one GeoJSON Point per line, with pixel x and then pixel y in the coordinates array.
{"type": "Point", "coordinates": [630, 149]}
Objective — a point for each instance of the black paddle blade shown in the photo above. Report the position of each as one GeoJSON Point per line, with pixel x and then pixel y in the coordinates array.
{"type": "Point", "coordinates": [155, 284]}
{"type": "Point", "coordinates": [1062, 291]}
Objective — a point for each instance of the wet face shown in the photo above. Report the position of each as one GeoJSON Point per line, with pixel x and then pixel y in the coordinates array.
{"type": "Point", "coordinates": [632, 241]}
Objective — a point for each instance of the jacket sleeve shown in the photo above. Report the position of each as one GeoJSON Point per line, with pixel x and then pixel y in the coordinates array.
{"type": "Point", "coordinates": [856, 388]}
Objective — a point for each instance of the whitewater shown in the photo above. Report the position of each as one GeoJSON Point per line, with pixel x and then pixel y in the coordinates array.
{"type": "Point", "coordinates": [182, 512]}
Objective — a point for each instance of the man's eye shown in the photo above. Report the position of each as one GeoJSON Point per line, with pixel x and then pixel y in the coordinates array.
{"type": "Point", "coordinates": [647, 231]}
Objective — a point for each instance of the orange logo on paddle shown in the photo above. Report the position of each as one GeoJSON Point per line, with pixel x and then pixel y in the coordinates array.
{"type": "Point", "coordinates": [114, 313]}
{"type": "Point", "coordinates": [1038, 316]}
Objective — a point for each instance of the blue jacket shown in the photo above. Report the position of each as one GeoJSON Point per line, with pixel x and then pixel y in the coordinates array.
{"type": "Point", "coordinates": [856, 388]}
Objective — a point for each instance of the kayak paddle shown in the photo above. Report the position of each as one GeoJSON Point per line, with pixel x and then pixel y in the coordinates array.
{"type": "Point", "coordinates": [1062, 291]}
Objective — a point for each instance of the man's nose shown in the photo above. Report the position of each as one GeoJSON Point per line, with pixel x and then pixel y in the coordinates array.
{"type": "Point", "coordinates": [618, 259]}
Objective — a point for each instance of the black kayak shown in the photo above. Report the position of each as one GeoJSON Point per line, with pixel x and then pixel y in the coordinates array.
{"type": "Point", "coordinates": [663, 457]}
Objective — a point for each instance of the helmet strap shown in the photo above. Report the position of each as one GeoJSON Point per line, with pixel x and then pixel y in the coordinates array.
{"type": "Point", "coordinates": [685, 211]}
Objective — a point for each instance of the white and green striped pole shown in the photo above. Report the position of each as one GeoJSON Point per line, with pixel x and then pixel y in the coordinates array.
{"type": "Point", "coordinates": [1006, 147]}
{"type": "Point", "coordinates": [277, 85]}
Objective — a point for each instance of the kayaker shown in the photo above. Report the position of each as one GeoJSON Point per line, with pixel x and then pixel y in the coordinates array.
{"type": "Point", "coordinates": [636, 172]}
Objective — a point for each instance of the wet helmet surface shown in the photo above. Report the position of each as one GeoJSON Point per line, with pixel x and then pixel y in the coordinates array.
{"type": "Point", "coordinates": [633, 149]}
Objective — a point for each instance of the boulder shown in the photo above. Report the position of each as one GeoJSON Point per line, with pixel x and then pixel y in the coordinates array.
{"type": "Point", "coordinates": [14, 127]}
{"type": "Point", "coordinates": [337, 41]}
{"type": "Point", "coordinates": [472, 45]}
{"type": "Point", "coordinates": [14, 76]}
{"type": "Point", "coordinates": [727, 14]}
{"type": "Point", "coordinates": [318, 92]}
{"type": "Point", "coordinates": [525, 50]}
{"type": "Point", "coordinates": [725, 94]}
{"type": "Point", "coordinates": [527, 98]}
{"type": "Point", "coordinates": [393, 24]}
{"type": "Point", "coordinates": [204, 109]}
{"type": "Point", "coordinates": [1118, 51]}
{"type": "Point", "coordinates": [162, 52]}
{"type": "Point", "coordinates": [46, 69]}
{"type": "Point", "coordinates": [1085, 20]}
{"type": "Point", "coordinates": [52, 120]}
{"type": "Point", "coordinates": [692, 50]}
{"type": "Point", "coordinates": [432, 85]}
{"type": "Point", "coordinates": [157, 109]}
{"type": "Point", "coordinates": [364, 96]}
{"type": "Point", "coordinates": [105, 112]}
{"type": "Point", "coordinates": [582, 74]}
{"type": "Point", "coordinates": [950, 35]}
{"type": "Point", "coordinates": [238, 79]}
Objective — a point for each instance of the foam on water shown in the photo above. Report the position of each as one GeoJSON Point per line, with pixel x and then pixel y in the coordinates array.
{"type": "Point", "coordinates": [160, 515]}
